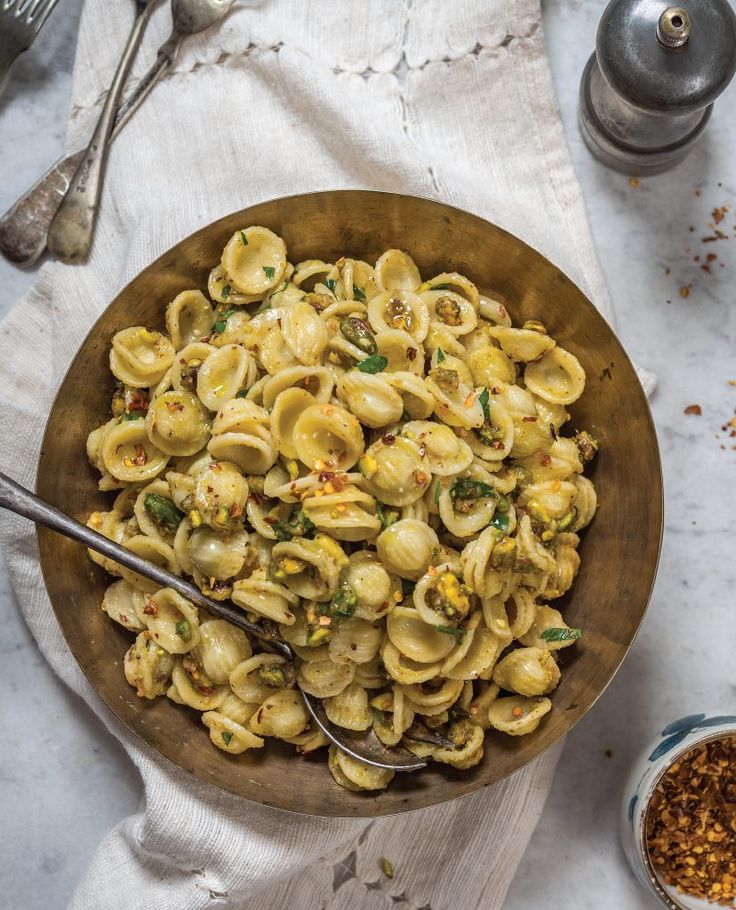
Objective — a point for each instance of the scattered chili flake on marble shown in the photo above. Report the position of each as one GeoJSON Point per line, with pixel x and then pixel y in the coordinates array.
{"type": "Point", "coordinates": [693, 409]}
{"type": "Point", "coordinates": [685, 290]}
{"type": "Point", "coordinates": [691, 823]}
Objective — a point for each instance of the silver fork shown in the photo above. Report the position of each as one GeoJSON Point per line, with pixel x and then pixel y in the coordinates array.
{"type": "Point", "coordinates": [20, 22]}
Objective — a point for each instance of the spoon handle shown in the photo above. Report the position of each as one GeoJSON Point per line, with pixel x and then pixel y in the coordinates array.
{"type": "Point", "coordinates": [17, 499]}
{"type": "Point", "coordinates": [71, 231]}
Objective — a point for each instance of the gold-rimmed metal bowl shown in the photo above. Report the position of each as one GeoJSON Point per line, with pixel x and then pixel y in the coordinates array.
{"type": "Point", "coordinates": [619, 551]}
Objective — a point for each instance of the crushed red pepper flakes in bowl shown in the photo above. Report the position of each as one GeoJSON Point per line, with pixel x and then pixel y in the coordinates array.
{"type": "Point", "coordinates": [691, 823]}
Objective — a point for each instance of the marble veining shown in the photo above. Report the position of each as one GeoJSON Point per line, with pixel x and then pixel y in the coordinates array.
{"type": "Point", "coordinates": [65, 781]}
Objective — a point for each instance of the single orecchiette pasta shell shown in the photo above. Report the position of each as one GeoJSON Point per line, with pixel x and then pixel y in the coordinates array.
{"type": "Point", "coordinates": [189, 317]}
{"type": "Point", "coordinates": [408, 547]}
{"type": "Point", "coordinates": [522, 345]}
{"type": "Point", "coordinates": [119, 602]}
{"type": "Point", "coordinates": [244, 680]}
{"type": "Point", "coordinates": [304, 331]}
{"type": "Point", "coordinates": [311, 568]}
{"type": "Point", "coordinates": [414, 638]}
{"type": "Point", "coordinates": [491, 366]}
{"type": "Point", "coordinates": [223, 374]}
{"type": "Point", "coordinates": [282, 715]}
{"type": "Point", "coordinates": [178, 423]}
{"type": "Point", "coordinates": [200, 695]}
{"type": "Point", "coordinates": [527, 671]}
{"type": "Point", "coordinates": [266, 598]}
{"type": "Point", "coordinates": [328, 437]}
{"type": "Point", "coordinates": [228, 735]}
{"type": "Point", "coordinates": [218, 555]}
{"type": "Point", "coordinates": [323, 678]}
{"type": "Point", "coordinates": [140, 357]}
{"type": "Point", "coordinates": [396, 271]}
{"type": "Point", "coordinates": [155, 551]}
{"type": "Point", "coordinates": [345, 515]}
{"type": "Point", "coordinates": [447, 453]}
{"type": "Point", "coordinates": [148, 667]}
{"type": "Point", "coordinates": [399, 310]}
{"type": "Point", "coordinates": [396, 470]}
{"type": "Point", "coordinates": [373, 401]}
{"type": "Point", "coordinates": [374, 587]}
{"type": "Point", "coordinates": [255, 260]}
{"type": "Point", "coordinates": [220, 495]}
{"type": "Point", "coordinates": [586, 502]}
{"type": "Point", "coordinates": [221, 648]}
{"type": "Point", "coordinates": [172, 621]}
{"type": "Point", "coordinates": [545, 617]}
{"type": "Point", "coordinates": [405, 670]}
{"type": "Point", "coordinates": [349, 709]}
{"type": "Point", "coordinates": [287, 408]}
{"type": "Point", "coordinates": [129, 455]}
{"type": "Point", "coordinates": [516, 715]}
{"type": "Point", "coordinates": [494, 311]}
{"type": "Point", "coordinates": [355, 640]}
{"type": "Point", "coordinates": [403, 352]}
{"type": "Point", "coordinates": [365, 777]}
{"type": "Point", "coordinates": [241, 434]}
{"type": "Point", "coordinates": [315, 380]}
{"type": "Point", "coordinates": [418, 402]}
{"type": "Point", "coordinates": [557, 377]}
{"type": "Point", "coordinates": [454, 312]}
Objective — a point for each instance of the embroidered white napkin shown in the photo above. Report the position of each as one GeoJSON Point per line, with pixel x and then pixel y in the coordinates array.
{"type": "Point", "coordinates": [452, 100]}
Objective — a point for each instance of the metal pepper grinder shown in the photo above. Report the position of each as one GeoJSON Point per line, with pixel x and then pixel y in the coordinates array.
{"type": "Point", "coordinates": [647, 92]}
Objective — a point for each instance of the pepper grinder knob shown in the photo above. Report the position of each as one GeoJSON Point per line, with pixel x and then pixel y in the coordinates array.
{"type": "Point", "coordinates": [647, 92]}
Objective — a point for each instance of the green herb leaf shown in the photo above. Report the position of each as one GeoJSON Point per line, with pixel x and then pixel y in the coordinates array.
{"type": "Point", "coordinates": [499, 522]}
{"type": "Point", "coordinates": [221, 324]}
{"type": "Point", "coordinates": [183, 629]}
{"type": "Point", "coordinates": [440, 355]}
{"type": "Point", "coordinates": [440, 287]}
{"type": "Point", "coordinates": [357, 293]}
{"type": "Point", "coordinates": [331, 284]}
{"type": "Point", "coordinates": [344, 602]}
{"type": "Point", "coordinates": [298, 525]}
{"type": "Point", "coordinates": [225, 292]}
{"type": "Point", "coordinates": [376, 363]}
{"type": "Point", "coordinates": [388, 517]}
{"type": "Point", "coordinates": [270, 272]}
{"type": "Point", "coordinates": [226, 737]}
{"type": "Point", "coordinates": [557, 634]}
{"type": "Point", "coordinates": [244, 238]}
{"type": "Point", "coordinates": [243, 393]}
{"type": "Point", "coordinates": [467, 488]}
{"type": "Point", "coordinates": [131, 415]}
{"type": "Point", "coordinates": [163, 512]}
{"type": "Point", "coordinates": [456, 633]}
{"type": "Point", "coordinates": [437, 490]}
{"type": "Point", "coordinates": [484, 399]}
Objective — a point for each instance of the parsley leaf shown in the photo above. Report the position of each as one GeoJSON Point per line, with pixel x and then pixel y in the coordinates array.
{"type": "Point", "coordinates": [484, 399]}
{"type": "Point", "coordinates": [557, 634]}
{"type": "Point", "coordinates": [500, 522]}
{"type": "Point", "coordinates": [299, 525]}
{"type": "Point", "coordinates": [467, 488]}
{"type": "Point", "coordinates": [387, 517]}
{"type": "Point", "coordinates": [226, 737]}
{"type": "Point", "coordinates": [242, 393]}
{"type": "Point", "coordinates": [221, 324]}
{"type": "Point", "coordinates": [376, 363]}
{"type": "Point", "coordinates": [440, 355]}
{"type": "Point", "coordinates": [457, 634]}
{"type": "Point", "coordinates": [331, 284]}
{"type": "Point", "coordinates": [131, 415]}
{"type": "Point", "coordinates": [244, 238]}
{"type": "Point", "coordinates": [270, 272]}
{"type": "Point", "coordinates": [226, 291]}
{"type": "Point", "coordinates": [344, 602]}
{"type": "Point", "coordinates": [440, 287]}
{"type": "Point", "coordinates": [357, 293]}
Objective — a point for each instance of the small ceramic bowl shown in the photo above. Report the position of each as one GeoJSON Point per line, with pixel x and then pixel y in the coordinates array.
{"type": "Point", "coordinates": [674, 741]}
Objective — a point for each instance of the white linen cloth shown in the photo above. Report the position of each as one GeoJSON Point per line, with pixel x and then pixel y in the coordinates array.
{"type": "Point", "coordinates": [450, 100]}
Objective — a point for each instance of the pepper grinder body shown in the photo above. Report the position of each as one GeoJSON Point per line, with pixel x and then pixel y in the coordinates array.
{"type": "Point", "coordinates": [647, 92]}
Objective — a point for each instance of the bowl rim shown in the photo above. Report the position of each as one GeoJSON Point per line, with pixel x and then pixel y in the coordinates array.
{"type": "Point", "coordinates": [668, 760]}
{"type": "Point", "coordinates": [658, 495]}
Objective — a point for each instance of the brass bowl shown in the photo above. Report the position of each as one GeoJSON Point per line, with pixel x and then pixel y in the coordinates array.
{"type": "Point", "coordinates": [619, 551]}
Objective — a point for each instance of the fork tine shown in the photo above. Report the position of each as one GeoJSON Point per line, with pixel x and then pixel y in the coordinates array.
{"type": "Point", "coordinates": [7, 5]}
{"type": "Point", "coordinates": [39, 11]}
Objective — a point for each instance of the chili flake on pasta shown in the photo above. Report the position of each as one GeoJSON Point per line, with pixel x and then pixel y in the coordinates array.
{"type": "Point", "coordinates": [371, 461]}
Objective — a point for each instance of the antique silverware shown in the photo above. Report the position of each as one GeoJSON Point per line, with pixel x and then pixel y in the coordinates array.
{"type": "Point", "coordinates": [71, 231]}
{"type": "Point", "coordinates": [647, 92]}
{"type": "Point", "coordinates": [20, 22]}
{"type": "Point", "coordinates": [24, 227]}
{"type": "Point", "coordinates": [620, 548]}
{"type": "Point", "coordinates": [363, 745]}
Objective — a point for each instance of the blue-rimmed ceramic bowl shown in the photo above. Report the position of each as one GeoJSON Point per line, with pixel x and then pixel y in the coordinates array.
{"type": "Point", "coordinates": [673, 742]}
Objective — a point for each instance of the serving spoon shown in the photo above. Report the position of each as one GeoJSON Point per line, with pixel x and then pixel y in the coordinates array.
{"type": "Point", "coordinates": [362, 745]}
{"type": "Point", "coordinates": [25, 226]}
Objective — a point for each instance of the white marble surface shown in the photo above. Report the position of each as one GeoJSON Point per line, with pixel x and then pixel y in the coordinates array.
{"type": "Point", "coordinates": [64, 781]}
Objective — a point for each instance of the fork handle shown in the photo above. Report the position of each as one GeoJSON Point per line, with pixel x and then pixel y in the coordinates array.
{"type": "Point", "coordinates": [71, 231]}
{"type": "Point", "coordinates": [25, 227]}
{"type": "Point", "coordinates": [17, 499]}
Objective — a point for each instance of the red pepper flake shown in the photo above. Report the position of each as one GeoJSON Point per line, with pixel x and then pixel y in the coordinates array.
{"type": "Point", "coordinates": [270, 520]}
{"type": "Point", "coordinates": [694, 409]}
{"type": "Point", "coordinates": [140, 455]}
{"type": "Point", "coordinates": [685, 290]}
{"type": "Point", "coordinates": [711, 257]}
{"type": "Point", "coordinates": [530, 419]}
{"type": "Point", "coordinates": [545, 460]}
{"type": "Point", "coordinates": [388, 439]}
{"type": "Point", "coordinates": [411, 353]}
{"type": "Point", "coordinates": [324, 476]}
{"type": "Point", "coordinates": [150, 608]}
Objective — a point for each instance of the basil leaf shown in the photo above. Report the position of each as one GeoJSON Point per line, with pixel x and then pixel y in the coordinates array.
{"type": "Point", "coordinates": [244, 238]}
{"type": "Point", "coordinates": [344, 602]}
{"type": "Point", "coordinates": [270, 272]}
{"type": "Point", "coordinates": [467, 488]}
{"type": "Point", "coordinates": [484, 399]}
{"type": "Point", "coordinates": [440, 287]}
{"type": "Point", "coordinates": [499, 522]}
{"type": "Point", "coordinates": [225, 292]}
{"type": "Point", "coordinates": [331, 283]}
{"type": "Point", "coordinates": [376, 363]}
{"type": "Point", "coordinates": [557, 634]}
{"type": "Point", "coordinates": [299, 525]}
{"type": "Point", "coordinates": [226, 737]}
{"type": "Point", "coordinates": [219, 327]}
{"type": "Point", "coordinates": [457, 634]}
{"type": "Point", "coordinates": [131, 415]}
{"type": "Point", "coordinates": [440, 355]}
{"type": "Point", "coordinates": [357, 293]}
{"type": "Point", "coordinates": [243, 393]}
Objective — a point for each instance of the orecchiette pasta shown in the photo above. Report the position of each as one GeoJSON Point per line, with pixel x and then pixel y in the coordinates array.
{"type": "Point", "coordinates": [372, 462]}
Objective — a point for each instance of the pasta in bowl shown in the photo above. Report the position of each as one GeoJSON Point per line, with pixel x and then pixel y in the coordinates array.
{"type": "Point", "coordinates": [354, 455]}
